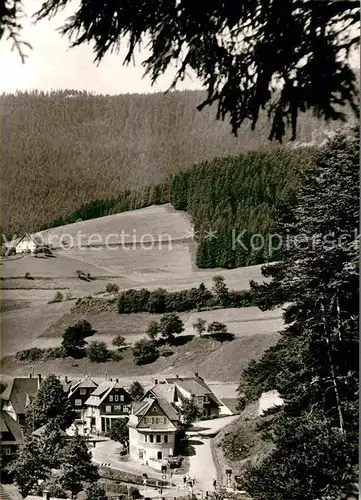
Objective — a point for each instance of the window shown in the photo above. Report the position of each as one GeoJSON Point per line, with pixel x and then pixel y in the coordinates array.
{"type": "Point", "coordinates": [158, 438]}
{"type": "Point", "coordinates": [206, 399]}
{"type": "Point", "coordinates": [110, 398]}
{"type": "Point", "coordinates": [78, 402]}
{"type": "Point", "coordinates": [108, 409]}
{"type": "Point", "coordinates": [82, 392]}
{"type": "Point", "coordinates": [116, 397]}
{"type": "Point", "coordinates": [199, 400]}
{"type": "Point", "coordinates": [151, 438]}
{"type": "Point", "coordinates": [7, 450]}
{"type": "Point", "coordinates": [121, 397]}
{"type": "Point", "coordinates": [145, 438]}
{"type": "Point", "coordinates": [157, 419]}
{"type": "Point", "coordinates": [165, 438]}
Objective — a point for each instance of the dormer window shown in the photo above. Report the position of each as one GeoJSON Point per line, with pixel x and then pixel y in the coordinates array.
{"type": "Point", "coordinates": [121, 397]}
{"type": "Point", "coordinates": [82, 392]}
{"type": "Point", "coordinates": [116, 397]}
{"type": "Point", "coordinates": [111, 398]}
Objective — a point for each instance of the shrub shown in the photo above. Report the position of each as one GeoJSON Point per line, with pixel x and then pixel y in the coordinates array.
{"type": "Point", "coordinates": [136, 390]}
{"type": "Point", "coordinates": [119, 341]}
{"type": "Point", "coordinates": [153, 330]}
{"type": "Point", "coordinates": [145, 351]}
{"type": "Point", "coordinates": [33, 354]}
{"type": "Point", "coordinates": [53, 353]}
{"type": "Point", "coordinates": [217, 328]}
{"type": "Point", "coordinates": [112, 288]}
{"type": "Point", "coordinates": [98, 352]}
{"type": "Point", "coordinates": [235, 446]}
{"type": "Point", "coordinates": [58, 297]}
{"type": "Point", "coordinates": [200, 326]}
{"type": "Point", "coordinates": [161, 301]}
{"type": "Point", "coordinates": [68, 296]}
{"type": "Point", "coordinates": [38, 354]}
{"type": "Point", "coordinates": [116, 355]}
{"type": "Point", "coordinates": [82, 276]}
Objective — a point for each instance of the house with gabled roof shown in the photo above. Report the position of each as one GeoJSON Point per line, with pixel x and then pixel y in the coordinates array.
{"type": "Point", "coordinates": [24, 244]}
{"type": "Point", "coordinates": [194, 388]}
{"type": "Point", "coordinates": [18, 395]}
{"type": "Point", "coordinates": [11, 438]}
{"type": "Point", "coordinates": [79, 392]}
{"type": "Point", "coordinates": [153, 426]}
{"type": "Point", "coordinates": [108, 402]}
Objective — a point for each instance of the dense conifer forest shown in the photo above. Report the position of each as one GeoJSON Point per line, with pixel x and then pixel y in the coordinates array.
{"type": "Point", "coordinates": [67, 148]}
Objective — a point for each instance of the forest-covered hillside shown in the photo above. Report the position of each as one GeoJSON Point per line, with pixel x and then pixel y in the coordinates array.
{"type": "Point", "coordinates": [229, 199]}
{"type": "Point", "coordinates": [64, 149]}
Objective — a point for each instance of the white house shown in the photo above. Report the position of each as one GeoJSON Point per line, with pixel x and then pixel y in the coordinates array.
{"type": "Point", "coordinates": [268, 400]}
{"type": "Point", "coordinates": [25, 244]}
{"type": "Point", "coordinates": [153, 425]}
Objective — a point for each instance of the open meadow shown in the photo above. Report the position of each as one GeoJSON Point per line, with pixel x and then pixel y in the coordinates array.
{"type": "Point", "coordinates": [28, 320]}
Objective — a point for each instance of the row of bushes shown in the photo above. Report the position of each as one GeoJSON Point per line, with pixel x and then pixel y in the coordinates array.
{"type": "Point", "coordinates": [161, 301]}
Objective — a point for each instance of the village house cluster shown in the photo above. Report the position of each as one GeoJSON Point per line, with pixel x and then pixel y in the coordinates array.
{"type": "Point", "coordinates": [153, 420]}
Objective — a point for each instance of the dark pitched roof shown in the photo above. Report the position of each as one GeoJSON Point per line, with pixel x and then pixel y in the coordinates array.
{"type": "Point", "coordinates": [101, 392]}
{"type": "Point", "coordinates": [231, 404]}
{"type": "Point", "coordinates": [141, 408]}
{"type": "Point", "coordinates": [8, 424]}
{"type": "Point", "coordinates": [195, 386]}
{"type": "Point", "coordinates": [85, 383]}
{"type": "Point", "coordinates": [165, 391]}
{"type": "Point", "coordinates": [19, 392]}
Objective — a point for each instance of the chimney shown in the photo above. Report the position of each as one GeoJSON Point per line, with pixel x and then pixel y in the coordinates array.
{"type": "Point", "coordinates": [46, 495]}
{"type": "Point", "coordinates": [39, 378]}
{"type": "Point", "coordinates": [155, 381]}
{"type": "Point", "coordinates": [117, 380]}
{"type": "Point", "coordinates": [196, 375]}
{"type": "Point", "coordinates": [106, 376]}
{"type": "Point", "coordinates": [111, 379]}
{"type": "Point", "coordinates": [30, 375]}
{"type": "Point", "coordinates": [66, 379]}
{"type": "Point", "coordinates": [177, 376]}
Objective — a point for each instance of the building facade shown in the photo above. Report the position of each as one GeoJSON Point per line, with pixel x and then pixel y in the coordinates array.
{"type": "Point", "coordinates": [153, 426]}
{"type": "Point", "coordinates": [108, 402]}
{"type": "Point", "coordinates": [175, 389]}
{"type": "Point", "coordinates": [11, 438]}
{"type": "Point", "coordinates": [79, 393]}
{"type": "Point", "coordinates": [18, 395]}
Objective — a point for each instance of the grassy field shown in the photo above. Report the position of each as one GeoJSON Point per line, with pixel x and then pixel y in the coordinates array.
{"type": "Point", "coordinates": [29, 321]}
{"type": "Point", "coordinates": [215, 361]}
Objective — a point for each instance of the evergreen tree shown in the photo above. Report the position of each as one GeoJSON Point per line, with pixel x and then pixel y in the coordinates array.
{"type": "Point", "coordinates": [316, 432]}
{"type": "Point", "coordinates": [50, 404]}
{"type": "Point", "coordinates": [76, 466]}
{"type": "Point", "coordinates": [119, 432]}
{"type": "Point", "coordinates": [136, 390]}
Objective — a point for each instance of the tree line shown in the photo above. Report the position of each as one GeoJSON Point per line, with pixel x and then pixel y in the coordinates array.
{"type": "Point", "coordinates": [315, 364]}
{"type": "Point", "coordinates": [232, 201]}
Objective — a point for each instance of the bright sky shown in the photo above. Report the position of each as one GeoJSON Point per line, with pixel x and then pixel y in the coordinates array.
{"type": "Point", "coordinates": [53, 65]}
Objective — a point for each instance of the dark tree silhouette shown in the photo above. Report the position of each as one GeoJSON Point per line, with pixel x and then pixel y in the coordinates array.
{"type": "Point", "coordinates": [285, 55]}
